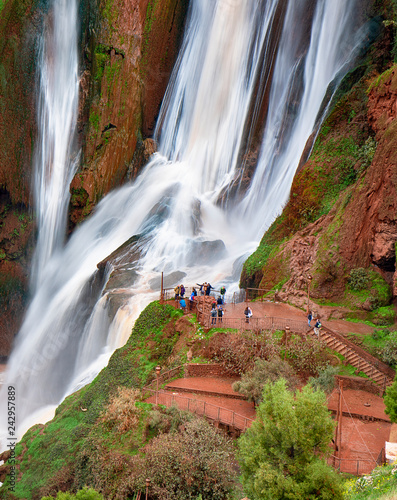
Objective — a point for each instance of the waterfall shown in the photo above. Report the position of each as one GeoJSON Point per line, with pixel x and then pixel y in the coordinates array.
{"type": "Point", "coordinates": [177, 205]}
{"type": "Point", "coordinates": [55, 159]}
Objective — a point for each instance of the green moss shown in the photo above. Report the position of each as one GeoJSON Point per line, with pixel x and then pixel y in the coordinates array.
{"type": "Point", "coordinates": [381, 79]}
{"type": "Point", "coordinates": [383, 316]}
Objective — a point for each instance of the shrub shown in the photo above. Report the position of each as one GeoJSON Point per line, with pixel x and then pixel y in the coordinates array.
{"type": "Point", "coordinates": [181, 465]}
{"type": "Point", "coordinates": [381, 484]}
{"type": "Point", "coordinates": [237, 353]}
{"type": "Point", "coordinates": [390, 400]}
{"type": "Point", "coordinates": [325, 381]}
{"type": "Point", "coordinates": [307, 357]}
{"type": "Point", "coordinates": [252, 382]}
{"type": "Point", "coordinates": [383, 315]}
{"type": "Point", "coordinates": [358, 279]}
{"type": "Point", "coordinates": [121, 412]}
{"type": "Point", "coordinates": [389, 352]}
{"type": "Point", "coordinates": [84, 494]}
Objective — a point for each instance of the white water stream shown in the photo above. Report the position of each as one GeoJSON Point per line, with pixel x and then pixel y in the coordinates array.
{"type": "Point", "coordinates": [174, 204]}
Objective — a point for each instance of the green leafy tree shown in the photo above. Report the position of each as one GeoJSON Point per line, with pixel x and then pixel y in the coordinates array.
{"type": "Point", "coordinates": [390, 400]}
{"type": "Point", "coordinates": [282, 455]}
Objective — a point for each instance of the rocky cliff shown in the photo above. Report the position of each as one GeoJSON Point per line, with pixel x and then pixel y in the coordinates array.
{"type": "Point", "coordinates": [129, 50]}
{"type": "Point", "coordinates": [127, 53]}
{"type": "Point", "coordinates": [341, 216]}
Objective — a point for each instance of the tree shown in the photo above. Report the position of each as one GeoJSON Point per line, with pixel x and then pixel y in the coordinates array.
{"type": "Point", "coordinates": [390, 400]}
{"type": "Point", "coordinates": [282, 455]}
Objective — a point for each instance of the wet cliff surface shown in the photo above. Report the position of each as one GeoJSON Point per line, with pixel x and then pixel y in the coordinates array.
{"type": "Point", "coordinates": [127, 51]}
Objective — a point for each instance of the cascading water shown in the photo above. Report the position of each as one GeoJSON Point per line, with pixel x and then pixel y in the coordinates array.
{"type": "Point", "coordinates": [56, 161]}
{"type": "Point", "coordinates": [174, 203]}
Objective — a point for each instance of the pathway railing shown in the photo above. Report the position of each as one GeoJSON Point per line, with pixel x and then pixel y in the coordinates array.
{"type": "Point", "coordinates": [213, 412]}
{"type": "Point", "coordinates": [165, 377]}
{"type": "Point", "coordinates": [261, 323]}
{"type": "Point", "coordinates": [355, 466]}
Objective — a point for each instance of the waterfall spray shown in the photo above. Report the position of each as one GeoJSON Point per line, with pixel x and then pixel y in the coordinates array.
{"type": "Point", "coordinates": [174, 203]}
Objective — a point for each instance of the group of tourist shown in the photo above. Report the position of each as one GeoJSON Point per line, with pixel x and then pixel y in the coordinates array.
{"type": "Point", "coordinates": [205, 290]}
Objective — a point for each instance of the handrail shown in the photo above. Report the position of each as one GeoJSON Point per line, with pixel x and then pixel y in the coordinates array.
{"type": "Point", "coordinates": [368, 358]}
{"type": "Point", "coordinates": [354, 466]}
{"type": "Point", "coordinates": [201, 407]}
{"type": "Point", "coordinates": [165, 377]}
{"type": "Point", "coordinates": [254, 323]}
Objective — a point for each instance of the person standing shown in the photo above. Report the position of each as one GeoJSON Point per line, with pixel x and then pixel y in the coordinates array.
{"type": "Point", "coordinates": [220, 314]}
{"type": "Point", "coordinates": [182, 304]}
{"type": "Point", "coordinates": [223, 293]}
{"type": "Point", "coordinates": [317, 327]}
{"type": "Point", "coordinates": [248, 314]}
{"type": "Point", "coordinates": [309, 318]}
{"type": "Point", "coordinates": [182, 291]}
{"type": "Point", "coordinates": [213, 316]}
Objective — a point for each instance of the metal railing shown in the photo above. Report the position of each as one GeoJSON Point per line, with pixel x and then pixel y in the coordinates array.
{"type": "Point", "coordinates": [203, 408]}
{"type": "Point", "coordinates": [257, 294]}
{"type": "Point", "coordinates": [165, 377]}
{"type": "Point", "coordinates": [355, 466]}
{"type": "Point", "coordinates": [261, 323]}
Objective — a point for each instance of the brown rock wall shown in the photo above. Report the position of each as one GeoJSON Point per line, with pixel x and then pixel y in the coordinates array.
{"type": "Point", "coordinates": [129, 60]}
{"type": "Point", "coordinates": [19, 22]}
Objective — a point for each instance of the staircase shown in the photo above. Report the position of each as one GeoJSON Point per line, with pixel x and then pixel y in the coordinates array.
{"type": "Point", "coordinates": [378, 372]}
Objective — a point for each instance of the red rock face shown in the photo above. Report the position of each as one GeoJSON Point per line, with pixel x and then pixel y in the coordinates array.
{"type": "Point", "coordinates": [361, 228]}
{"type": "Point", "coordinates": [131, 58]}
{"type": "Point", "coordinates": [17, 77]}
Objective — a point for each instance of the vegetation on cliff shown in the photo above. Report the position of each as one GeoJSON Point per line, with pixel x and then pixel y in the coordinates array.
{"type": "Point", "coordinates": [49, 456]}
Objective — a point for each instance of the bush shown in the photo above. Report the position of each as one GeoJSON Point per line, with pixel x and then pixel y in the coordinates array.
{"type": "Point", "coordinates": [325, 381]}
{"type": "Point", "coordinates": [358, 279]}
{"type": "Point", "coordinates": [121, 412]}
{"type": "Point", "coordinates": [195, 461]}
{"type": "Point", "coordinates": [389, 352]}
{"type": "Point", "coordinates": [84, 494]}
{"type": "Point", "coordinates": [383, 316]}
{"type": "Point", "coordinates": [307, 357]}
{"type": "Point", "coordinates": [252, 382]}
{"type": "Point", "coordinates": [381, 484]}
{"type": "Point", "coordinates": [237, 353]}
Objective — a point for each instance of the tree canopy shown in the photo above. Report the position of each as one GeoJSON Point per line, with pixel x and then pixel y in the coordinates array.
{"type": "Point", "coordinates": [390, 400]}
{"type": "Point", "coordinates": [282, 455]}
